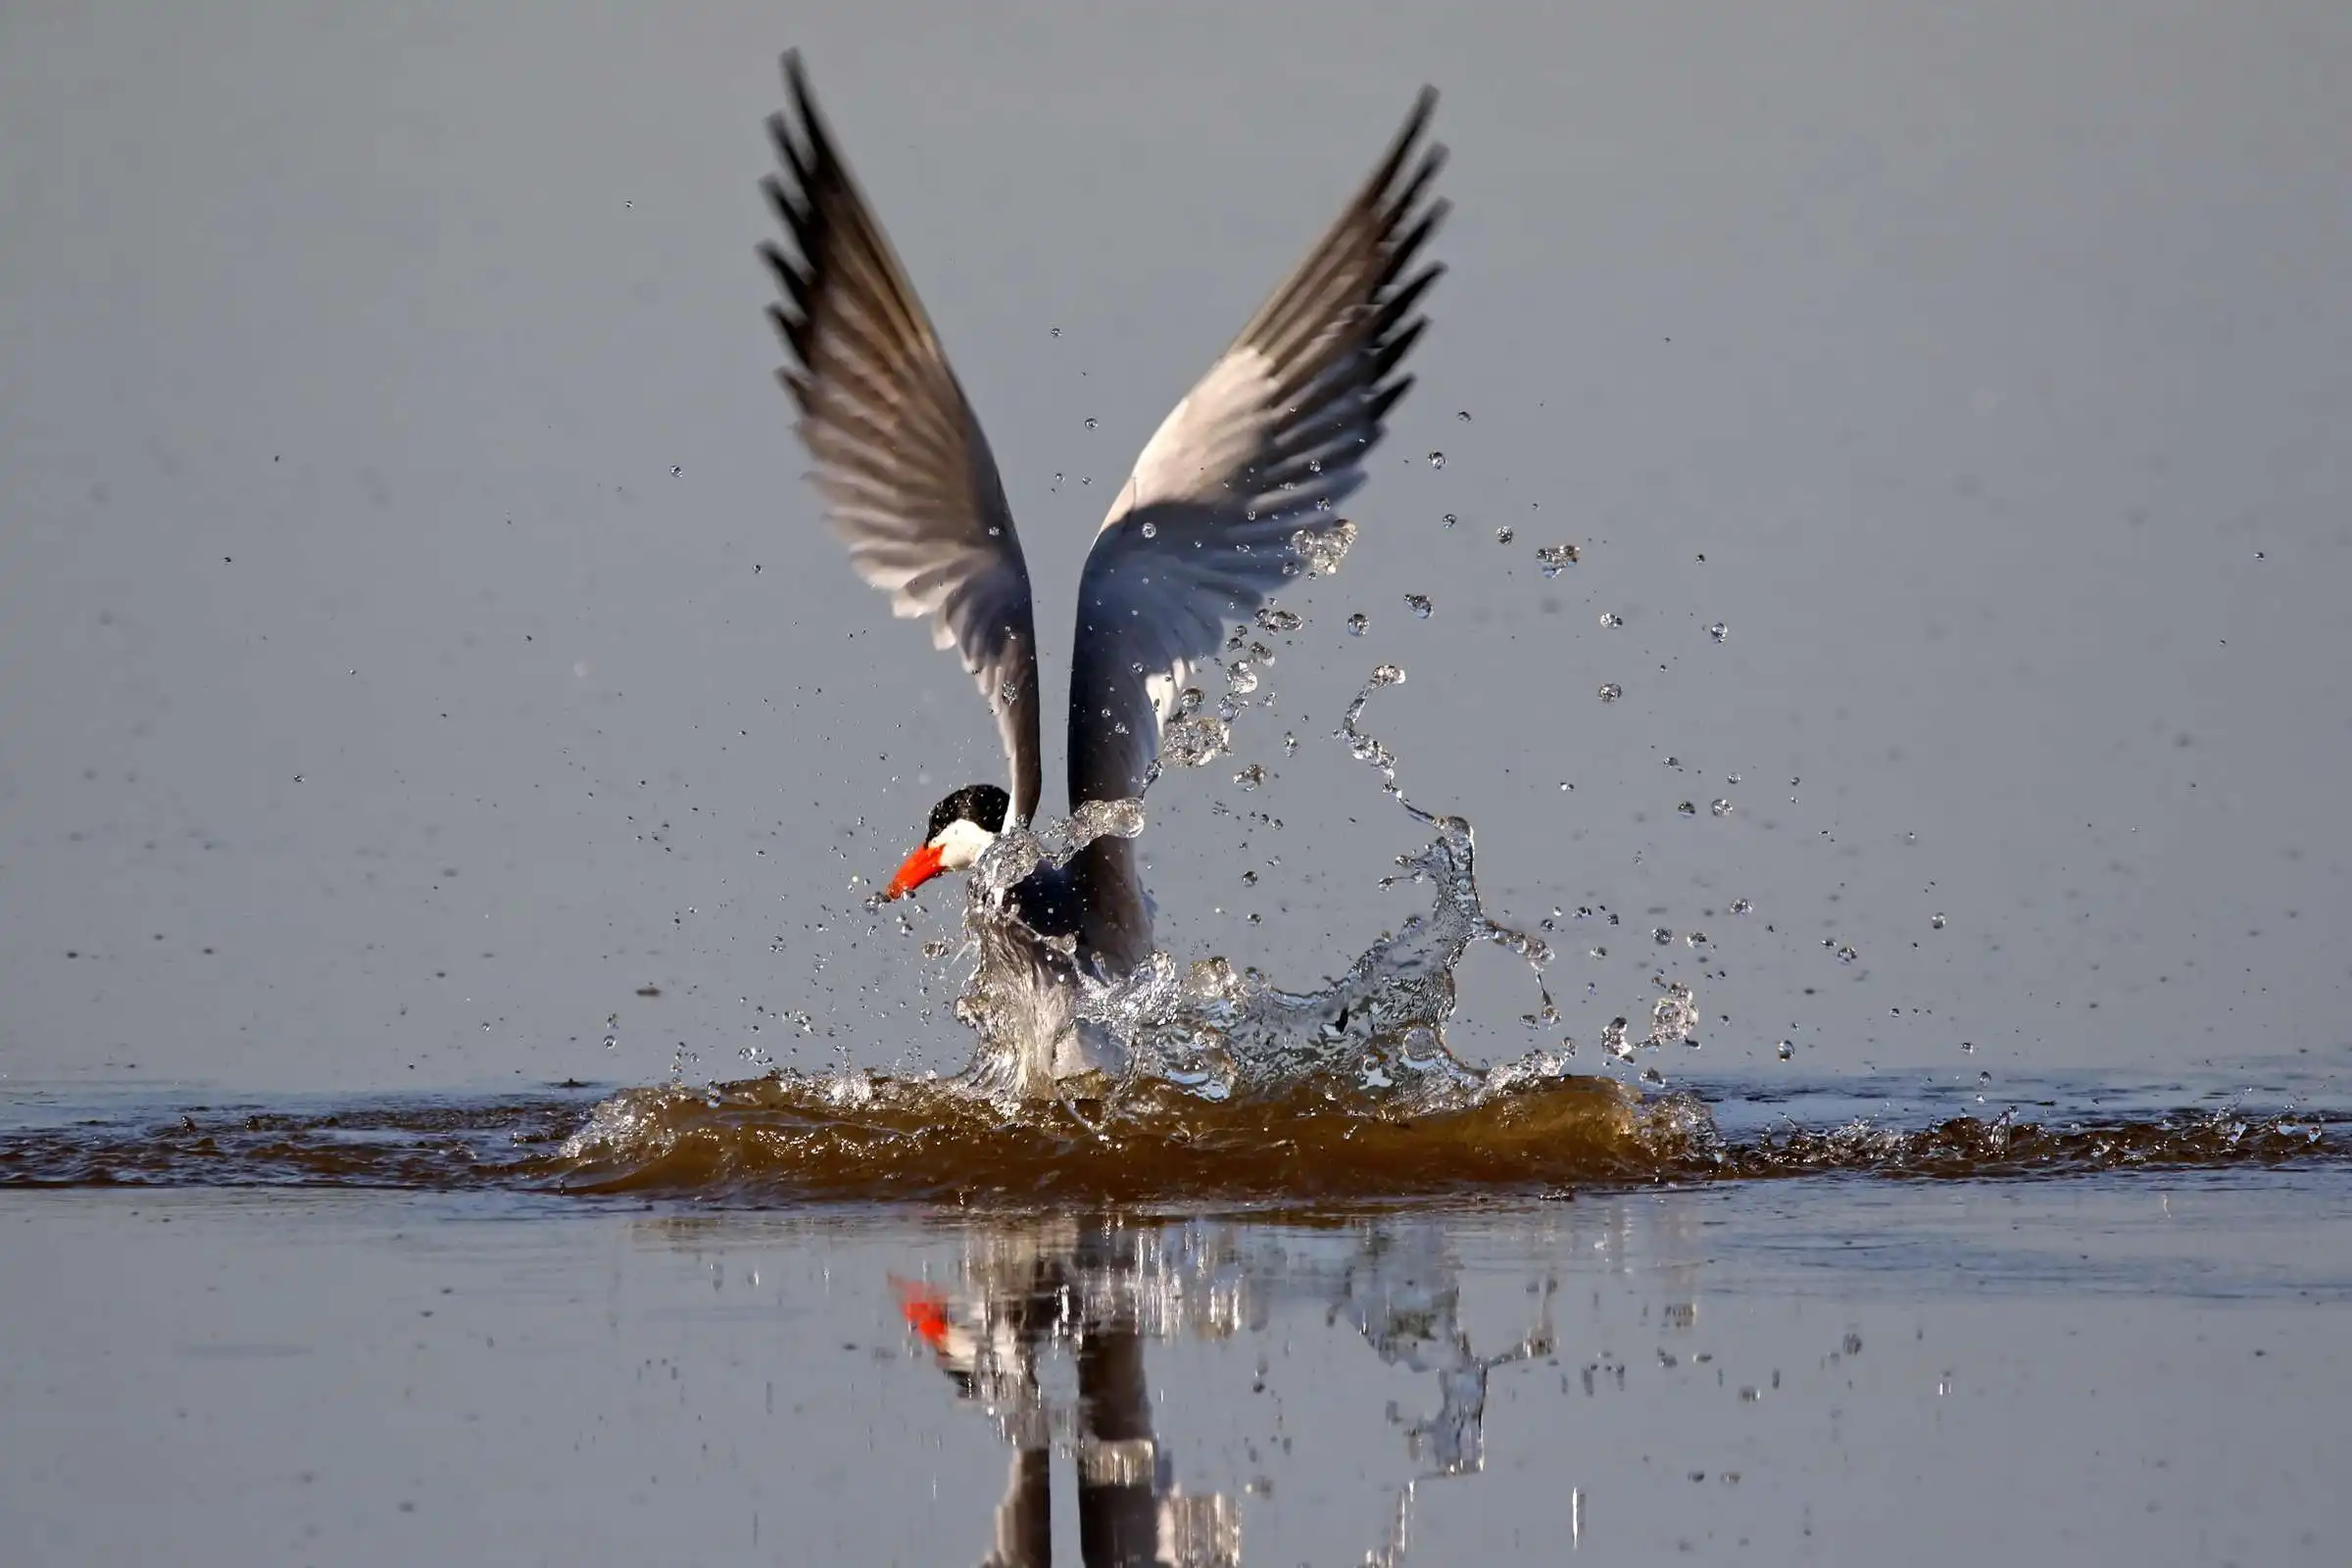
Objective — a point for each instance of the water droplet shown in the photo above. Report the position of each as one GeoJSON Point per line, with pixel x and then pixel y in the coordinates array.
{"type": "Point", "coordinates": [1741, 907]}
{"type": "Point", "coordinates": [1249, 879]}
{"type": "Point", "coordinates": [1661, 936]}
{"type": "Point", "coordinates": [1720, 806]}
{"type": "Point", "coordinates": [1437, 460]}
{"type": "Point", "coordinates": [1192, 739]}
{"type": "Point", "coordinates": [1787, 1050]}
{"type": "Point", "coordinates": [1242, 676]}
{"type": "Point", "coordinates": [1610, 691]}
{"type": "Point", "coordinates": [1450, 520]}
{"type": "Point", "coordinates": [1324, 547]}
{"type": "Point", "coordinates": [1149, 530]}
{"type": "Point", "coordinates": [1387, 676]}
{"type": "Point", "coordinates": [1687, 809]}
{"type": "Point", "coordinates": [1652, 1077]}
{"type": "Point", "coordinates": [1463, 415]}
{"type": "Point", "coordinates": [1847, 955]}
{"type": "Point", "coordinates": [1612, 1036]}
{"type": "Point", "coordinates": [678, 470]}
{"type": "Point", "coordinates": [1674, 1016]}
{"type": "Point", "coordinates": [1504, 536]}
{"type": "Point", "coordinates": [1610, 621]}
{"type": "Point", "coordinates": [1719, 631]}
{"type": "Point", "coordinates": [1250, 777]}
{"type": "Point", "coordinates": [1968, 1046]}
{"type": "Point", "coordinates": [1057, 331]}
{"type": "Point", "coordinates": [1936, 921]}
{"type": "Point", "coordinates": [1419, 605]}
{"type": "Point", "coordinates": [1557, 558]}
{"type": "Point", "coordinates": [1278, 620]}
{"type": "Point", "coordinates": [1357, 623]}
{"type": "Point", "coordinates": [1697, 939]}
{"type": "Point", "coordinates": [936, 948]}
{"type": "Point", "coordinates": [1090, 421]}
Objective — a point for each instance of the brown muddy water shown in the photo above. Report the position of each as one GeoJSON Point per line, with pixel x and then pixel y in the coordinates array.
{"type": "Point", "coordinates": [794, 1321]}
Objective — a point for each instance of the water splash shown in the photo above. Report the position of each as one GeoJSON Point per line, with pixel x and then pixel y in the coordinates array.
{"type": "Point", "coordinates": [1003, 1001]}
{"type": "Point", "coordinates": [1375, 1037]}
{"type": "Point", "coordinates": [1372, 1041]}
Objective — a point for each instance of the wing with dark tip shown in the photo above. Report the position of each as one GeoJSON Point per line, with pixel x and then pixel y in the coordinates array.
{"type": "Point", "coordinates": [1264, 446]}
{"type": "Point", "coordinates": [907, 475]}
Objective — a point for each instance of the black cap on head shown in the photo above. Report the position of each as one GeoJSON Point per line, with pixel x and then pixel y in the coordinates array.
{"type": "Point", "coordinates": [981, 803]}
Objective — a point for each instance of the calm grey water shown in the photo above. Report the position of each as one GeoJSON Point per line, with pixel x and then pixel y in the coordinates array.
{"type": "Point", "coordinates": [2145, 1372]}
{"type": "Point", "coordinates": [423, 665]}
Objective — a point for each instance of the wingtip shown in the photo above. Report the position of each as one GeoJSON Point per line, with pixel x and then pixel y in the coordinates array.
{"type": "Point", "coordinates": [1425, 105]}
{"type": "Point", "coordinates": [803, 98]}
{"type": "Point", "coordinates": [779, 135]}
{"type": "Point", "coordinates": [1401, 147]}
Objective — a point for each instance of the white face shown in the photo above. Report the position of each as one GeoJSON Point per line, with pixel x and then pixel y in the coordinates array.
{"type": "Point", "coordinates": [960, 843]}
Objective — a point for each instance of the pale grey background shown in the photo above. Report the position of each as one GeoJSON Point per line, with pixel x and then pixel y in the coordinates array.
{"type": "Point", "coordinates": [376, 707]}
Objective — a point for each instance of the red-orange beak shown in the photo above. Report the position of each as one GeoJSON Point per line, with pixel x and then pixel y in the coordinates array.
{"type": "Point", "coordinates": [921, 867]}
{"type": "Point", "coordinates": [925, 1311]}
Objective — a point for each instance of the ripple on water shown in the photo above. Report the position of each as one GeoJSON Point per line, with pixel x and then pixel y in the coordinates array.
{"type": "Point", "coordinates": [856, 1139]}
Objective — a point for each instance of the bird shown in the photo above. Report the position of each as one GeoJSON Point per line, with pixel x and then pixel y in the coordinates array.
{"type": "Point", "coordinates": [1244, 473]}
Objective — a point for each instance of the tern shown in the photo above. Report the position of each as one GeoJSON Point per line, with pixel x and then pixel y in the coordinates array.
{"type": "Point", "coordinates": [1204, 531]}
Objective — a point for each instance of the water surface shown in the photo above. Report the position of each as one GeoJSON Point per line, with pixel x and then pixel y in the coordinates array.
{"type": "Point", "coordinates": [2083, 1321]}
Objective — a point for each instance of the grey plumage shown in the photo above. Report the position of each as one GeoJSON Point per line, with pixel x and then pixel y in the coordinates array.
{"type": "Point", "coordinates": [1264, 444]}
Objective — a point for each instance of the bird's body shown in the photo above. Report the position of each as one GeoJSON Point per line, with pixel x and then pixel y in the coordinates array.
{"type": "Point", "coordinates": [1030, 989]}
{"type": "Point", "coordinates": [1249, 465]}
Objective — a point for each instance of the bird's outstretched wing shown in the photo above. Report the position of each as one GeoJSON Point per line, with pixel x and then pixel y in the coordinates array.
{"type": "Point", "coordinates": [910, 486]}
{"type": "Point", "coordinates": [1264, 446]}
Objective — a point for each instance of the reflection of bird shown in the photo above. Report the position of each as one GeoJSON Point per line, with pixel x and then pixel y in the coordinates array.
{"type": "Point", "coordinates": [1076, 1284]}
{"type": "Point", "coordinates": [1200, 535]}
{"type": "Point", "coordinates": [1100, 1288]}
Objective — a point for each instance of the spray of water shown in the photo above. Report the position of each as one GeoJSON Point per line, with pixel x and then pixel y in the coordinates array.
{"type": "Point", "coordinates": [1376, 1035]}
